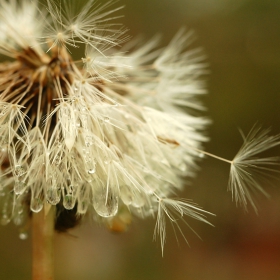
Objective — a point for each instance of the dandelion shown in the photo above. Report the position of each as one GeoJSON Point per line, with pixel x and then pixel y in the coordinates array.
{"type": "Point", "coordinates": [111, 134]}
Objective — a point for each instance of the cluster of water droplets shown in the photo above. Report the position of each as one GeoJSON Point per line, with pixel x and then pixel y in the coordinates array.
{"type": "Point", "coordinates": [15, 209]}
{"type": "Point", "coordinates": [87, 170]}
{"type": "Point", "coordinates": [20, 185]}
{"type": "Point", "coordinates": [3, 128]}
{"type": "Point", "coordinates": [90, 163]}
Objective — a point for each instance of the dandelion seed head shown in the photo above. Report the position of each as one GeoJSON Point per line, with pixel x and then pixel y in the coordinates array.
{"type": "Point", "coordinates": [112, 134]}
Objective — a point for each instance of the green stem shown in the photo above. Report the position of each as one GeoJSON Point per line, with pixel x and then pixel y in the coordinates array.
{"type": "Point", "coordinates": [42, 239]}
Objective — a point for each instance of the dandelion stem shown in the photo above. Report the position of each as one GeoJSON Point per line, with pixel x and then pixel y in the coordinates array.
{"type": "Point", "coordinates": [42, 235]}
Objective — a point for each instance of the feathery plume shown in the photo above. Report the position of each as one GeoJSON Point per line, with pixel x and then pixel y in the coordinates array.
{"type": "Point", "coordinates": [112, 134]}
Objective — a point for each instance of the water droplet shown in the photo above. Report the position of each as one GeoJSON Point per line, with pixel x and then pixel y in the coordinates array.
{"type": "Point", "coordinates": [36, 204]}
{"type": "Point", "coordinates": [106, 160]}
{"type": "Point", "coordinates": [201, 155]}
{"type": "Point", "coordinates": [82, 207]}
{"type": "Point", "coordinates": [5, 219]}
{"type": "Point", "coordinates": [106, 119]}
{"type": "Point", "coordinates": [53, 195]}
{"type": "Point", "coordinates": [19, 187]}
{"type": "Point", "coordinates": [19, 171]}
{"type": "Point", "coordinates": [138, 199]}
{"type": "Point", "coordinates": [126, 194]}
{"type": "Point", "coordinates": [23, 235]}
{"type": "Point", "coordinates": [105, 201]}
{"type": "Point", "coordinates": [88, 141]}
{"type": "Point", "coordinates": [7, 210]}
{"type": "Point", "coordinates": [91, 171]}
{"type": "Point", "coordinates": [69, 201]}
{"type": "Point", "coordinates": [19, 217]}
{"type": "Point", "coordinates": [182, 166]}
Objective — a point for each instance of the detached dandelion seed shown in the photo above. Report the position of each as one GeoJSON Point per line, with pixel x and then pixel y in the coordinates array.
{"type": "Point", "coordinates": [245, 165]}
{"type": "Point", "coordinates": [112, 134]}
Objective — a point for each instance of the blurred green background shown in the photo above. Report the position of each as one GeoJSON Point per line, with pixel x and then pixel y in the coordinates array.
{"type": "Point", "coordinates": [242, 41]}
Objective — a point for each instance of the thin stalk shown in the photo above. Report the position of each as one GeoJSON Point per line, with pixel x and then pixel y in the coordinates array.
{"type": "Point", "coordinates": [212, 155]}
{"type": "Point", "coordinates": [42, 238]}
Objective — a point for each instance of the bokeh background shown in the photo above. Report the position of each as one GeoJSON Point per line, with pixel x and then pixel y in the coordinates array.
{"type": "Point", "coordinates": [241, 39]}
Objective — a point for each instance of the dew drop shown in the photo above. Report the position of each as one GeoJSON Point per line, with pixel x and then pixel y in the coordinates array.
{"type": "Point", "coordinates": [106, 119]}
{"type": "Point", "coordinates": [138, 199]}
{"type": "Point", "coordinates": [88, 141]}
{"type": "Point", "coordinates": [53, 195]}
{"type": "Point", "coordinates": [82, 207]}
{"type": "Point", "coordinates": [7, 210]}
{"type": "Point", "coordinates": [19, 187]}
{"type": "Point", "coordinates": [36, 204]}
{"type": "Point", "coordinates": [182, 166]}
{"type": "Point", "coordinates": [5, 219]}
{"type": "Point", "coordinates": [23, 235]}
{"type": "Point", "coordinates": [19, 217]}
{"type": "Point", "coordinates": [69, 201]}
{"type": "Point", "coordinates": [201, 155]}
{"type": "Point", "coordinates": [69, 140]}
{"type": "Point", "coordinates": [19, 171]}
{"type": "Point", "coordinates": [126, 194]}
{"type": "Point", "coordinates": [105, 201]}
{"type": "Point", "coordinates": [91, 171]}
